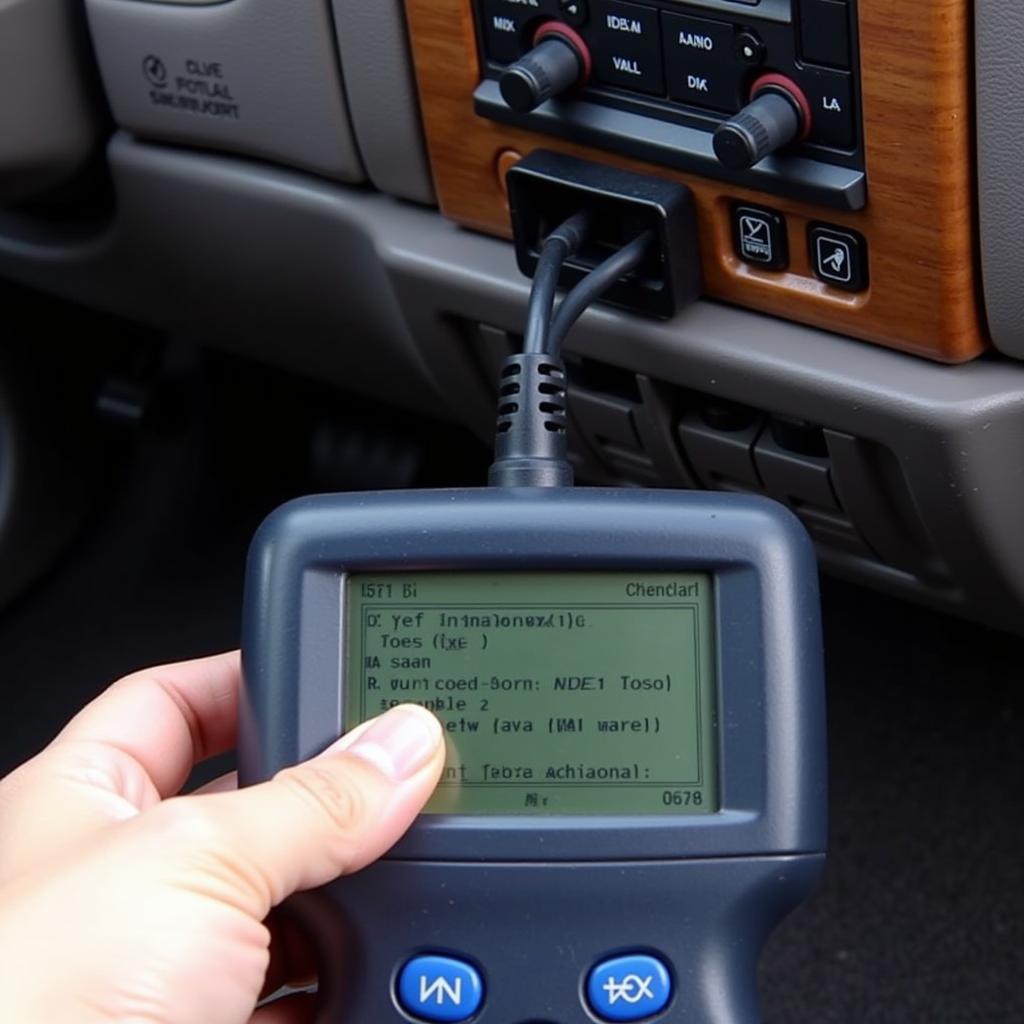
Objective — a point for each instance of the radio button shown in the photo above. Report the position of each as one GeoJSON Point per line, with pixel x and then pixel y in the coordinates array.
{"type": "Point", "coordinates": [440, 988]}
{"type": "Point", "coordinates": [825, 32]}
{"type": "Point", "coordinates": [830, 95]}
{"type": "Point", "coordinates": [503, 25]}
{"type": "Point", "coordinates": [749, 48]}
{"type": "Point", "coordinates": [629, 988]}
{"type": "Point", "coordinates": [700, 62]}
{"type": "Point", "coordinates": [627, 46]}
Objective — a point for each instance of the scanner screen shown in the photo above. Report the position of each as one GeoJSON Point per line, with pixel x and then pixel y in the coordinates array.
{"type": "Point", "coordinates": [560, 693]}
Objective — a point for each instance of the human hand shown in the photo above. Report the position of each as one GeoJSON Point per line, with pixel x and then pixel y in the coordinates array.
{"type": "Point", "coordinates": [120, 901]}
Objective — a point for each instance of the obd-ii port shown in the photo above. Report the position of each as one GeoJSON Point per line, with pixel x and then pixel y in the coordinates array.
{"type": "Point", "coordinates": [546, 188]}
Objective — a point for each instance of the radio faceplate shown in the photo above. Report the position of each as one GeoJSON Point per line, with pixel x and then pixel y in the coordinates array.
{"type": "Point", "coordinates": [662, 75]}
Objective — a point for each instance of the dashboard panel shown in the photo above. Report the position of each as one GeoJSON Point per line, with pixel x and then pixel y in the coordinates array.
{"type": "Point", "coordinates": [915, 227]}
{"type": "Point", "coordinates": [249, 76]}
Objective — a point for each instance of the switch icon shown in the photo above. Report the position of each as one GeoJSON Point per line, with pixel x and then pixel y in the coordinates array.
{"type": "Point", "coordinates": [834, 259]}
{"type": "Point", "coordinates": [759, 237]}
{"type": "Point", "coordinates": [756, 238]}
{"type": "Point", "coordinates": [839, 257]}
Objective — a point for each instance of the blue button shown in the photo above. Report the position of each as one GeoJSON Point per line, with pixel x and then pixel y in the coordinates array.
{"type": "Point", "coordinates": [629, 988]}
{"type": "Point", "coordinates": [440, 988]}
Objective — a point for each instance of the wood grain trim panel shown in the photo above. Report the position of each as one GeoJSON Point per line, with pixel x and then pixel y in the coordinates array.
{"type": "Point", "coordinates": [916, 76]}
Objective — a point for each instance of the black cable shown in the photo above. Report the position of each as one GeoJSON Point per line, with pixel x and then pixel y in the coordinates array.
{"type": "Point", "coordinates": [530, 446]}
{"type": "Point", "coordinates": [559, 246]}
{"type": "Point", "coordinates": [593, 286]}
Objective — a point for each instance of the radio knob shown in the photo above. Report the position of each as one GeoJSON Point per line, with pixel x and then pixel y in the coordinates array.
{"type": "Point", "coordinates": [558, 62]}
{"type": "Point", "coordinates": [778, 113]}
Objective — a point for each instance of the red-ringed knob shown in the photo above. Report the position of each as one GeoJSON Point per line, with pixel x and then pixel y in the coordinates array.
{"type": "Point", "coordinates": [778, 113]}
{"type": "Point", "coordinates": [558, 62]}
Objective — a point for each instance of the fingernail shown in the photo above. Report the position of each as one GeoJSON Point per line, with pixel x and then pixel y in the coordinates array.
{"type": "Point", "coordinates": [398, 744]}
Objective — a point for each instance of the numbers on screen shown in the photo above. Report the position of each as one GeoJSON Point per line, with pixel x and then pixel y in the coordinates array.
{"type": "Point", "coordinates": [682, 798]}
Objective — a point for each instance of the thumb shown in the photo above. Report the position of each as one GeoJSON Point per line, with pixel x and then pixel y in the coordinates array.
{"type": "Point", "coordinates": [326, 817]}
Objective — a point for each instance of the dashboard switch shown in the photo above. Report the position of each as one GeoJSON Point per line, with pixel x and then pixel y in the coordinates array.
{"type": "Point", "coordinates": [778, 113]}
{"type": "Point", "coordinates": [559, 62]}
{"type": "Point", "coordinates": [759, 236]}
{"type": "Point", "coordinates": [839, 257]}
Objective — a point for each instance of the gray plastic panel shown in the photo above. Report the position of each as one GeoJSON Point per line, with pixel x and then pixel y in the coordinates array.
{"type": "Point", "coordinates": [721, 459]}
{"type": "Point", "coordinates": [48, 124]}
{"type": "Point", "coordinates": [248, 258]}
{"type": "Point", "coordinates": [252, 76]}
{"type": "Point", "coordinates": [999, 31]}
{"type": "Point", "coordinates": [261, 260]}
{"type": "Point", "coordinates": [382, 96]}
{"type": "Point", "coordinates": [792, 478]}
{"type": "Point", "coordinates": [955, 431]}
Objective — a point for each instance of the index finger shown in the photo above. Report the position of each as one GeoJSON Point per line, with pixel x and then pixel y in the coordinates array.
{"type": "Point", "coordinates": [167, 719]}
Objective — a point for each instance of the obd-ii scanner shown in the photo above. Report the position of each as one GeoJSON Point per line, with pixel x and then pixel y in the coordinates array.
{"type": "Point", "coordinates": [631, 688]}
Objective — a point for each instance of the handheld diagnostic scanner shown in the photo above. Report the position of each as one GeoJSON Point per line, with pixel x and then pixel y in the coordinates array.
{"type": "Point", "coordinates": [630, 684]}
{"type": "Point", "coordinates": [631, 688]}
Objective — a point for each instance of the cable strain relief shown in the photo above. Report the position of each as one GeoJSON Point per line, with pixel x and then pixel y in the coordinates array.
{"type": "Point", "coordinates": [531, 444]}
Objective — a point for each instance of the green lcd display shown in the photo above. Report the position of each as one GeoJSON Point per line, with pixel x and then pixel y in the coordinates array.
{"type": "Point", "coordinates": [560, 692]}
